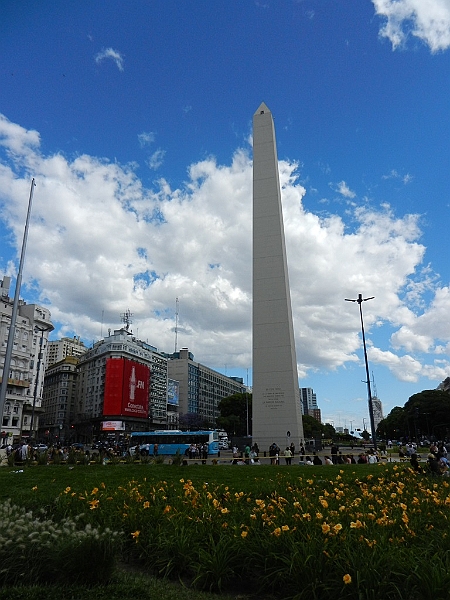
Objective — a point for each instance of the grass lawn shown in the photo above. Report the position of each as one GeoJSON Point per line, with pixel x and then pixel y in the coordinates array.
{"type": "Point", "coordinates": [334, 532]}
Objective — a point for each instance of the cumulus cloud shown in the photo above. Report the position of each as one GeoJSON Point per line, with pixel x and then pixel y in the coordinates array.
{"type": "Point", "coordinates": [428, 20]}
{"type": "Point", "coordinates": [112, 54]}
{"type": "Point", "coordinates": [100, 242]}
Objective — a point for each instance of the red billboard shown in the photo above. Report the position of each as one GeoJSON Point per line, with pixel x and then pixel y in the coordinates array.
{"type": "Point", "coordinates": [126, 388]}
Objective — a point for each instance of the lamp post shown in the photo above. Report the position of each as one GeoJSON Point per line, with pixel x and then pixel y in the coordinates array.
{"type": "Point", "coordinates": [36, 382]}
{"type": "Point", "coordinates": [360, 300]}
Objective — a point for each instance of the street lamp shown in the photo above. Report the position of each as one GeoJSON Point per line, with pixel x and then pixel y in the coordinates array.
{"type": "Point", "coordinates": [38, 368]}
{"type": "Point", "coordinates": [360, 300]}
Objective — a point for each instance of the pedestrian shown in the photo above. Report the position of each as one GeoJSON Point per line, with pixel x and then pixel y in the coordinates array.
{"type": "Point", "coordinates": [288, 455]}
{"type": "Point", "coordinates": [155, 449]}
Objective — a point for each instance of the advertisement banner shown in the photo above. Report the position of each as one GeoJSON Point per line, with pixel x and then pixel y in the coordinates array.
{"type": "Point", "coordinates": [113, 426]}
{"type": "Point", "coordinates": [126, 388]}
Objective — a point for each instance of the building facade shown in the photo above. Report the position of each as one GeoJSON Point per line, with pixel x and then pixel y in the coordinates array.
{"type": "Point", "coordinates": [200, 389]}
{"type": "Point", "coordinates": [121, 387]}
{"type": "Point", "coordinates": [308, 401]}
{"type": "Point", "coordinates": [377, 411]}
{"type": "Point", "coordinates": [24, 392]}
{"type": "Point", "coordinates": [59, 349]}
{"type": "Point", "coordinates": [56, 424]}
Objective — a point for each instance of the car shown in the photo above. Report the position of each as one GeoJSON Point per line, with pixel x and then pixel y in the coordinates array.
{"type": "Point", "coordinates": [223, 445]}
{"type": "Point", "coordinates": [41, 447]}
{"type": "Point", "coordinates": [77, 446]}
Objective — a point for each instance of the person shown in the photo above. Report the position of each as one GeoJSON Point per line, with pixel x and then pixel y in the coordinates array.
{"type": "Point", "coordinates": [372, 459]}
{"type": "Point", "coordinates": [328, 460]}
{"type": "Point", "coordinates": [433, 464]}
{"type": "Point", "coordinates": [247, 454]}
{"type": "Point", "coordinates": [302, 452]}
{"type": "Point", "coordinates": [255, 448]}
{"type": "Point", "coordinates": [362, 459]}
{"type": "Point", "coordinates": [415, 463]}
{"type": "Point", "coordinates": [155, 449]}
{"type": "Point", "coordinates": [316, 460]}
{"type": "Point", "coordinates": [308, 461]}
{"type": "Point", "coordinates": [288, 455]}
{"type": "Point", "coordinates": [334, 454]}
{"type": "Point", "coordinates": [24, 451]}
{"type": "Point", "coordinates": [292, 449]}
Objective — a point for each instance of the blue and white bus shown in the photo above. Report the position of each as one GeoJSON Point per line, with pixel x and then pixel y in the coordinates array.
{"type": "Point", "coordinates": [169, 441]}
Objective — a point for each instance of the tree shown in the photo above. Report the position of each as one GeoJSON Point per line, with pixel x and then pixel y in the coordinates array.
{"type": "Point", "coordinates": [312, 427]}
{"type": "Point", "coordinates": [234, 411]}
{"type": "Point", "coordinates": [425, 415]}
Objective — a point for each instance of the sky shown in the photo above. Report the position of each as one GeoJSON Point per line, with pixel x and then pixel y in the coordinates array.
{"type": "Point", "coordinates": [135, 119]}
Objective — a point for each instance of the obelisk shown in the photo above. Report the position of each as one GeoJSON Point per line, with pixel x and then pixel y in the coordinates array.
{"type": "Point", "coordinates": [276, 410]}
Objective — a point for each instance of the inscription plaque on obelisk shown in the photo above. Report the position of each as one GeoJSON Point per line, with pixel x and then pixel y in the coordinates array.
{"type": "Point", "coordinates": [276, 411]}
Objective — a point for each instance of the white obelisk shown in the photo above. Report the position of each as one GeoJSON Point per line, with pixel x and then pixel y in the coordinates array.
{"type": "Point", "coordinates": [276, 407]}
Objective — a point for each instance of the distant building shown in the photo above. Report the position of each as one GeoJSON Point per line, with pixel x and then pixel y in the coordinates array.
{"type": "Point", "coordinates": [26, 377]}
{"type": "Point", "coordinates": [201, 388]}
{"type": "Point", "coordinates": [308, 401]}
{"type": "Point", "coordinates": [377, 411]}
{"type": "Point", "coordinates": [58, 417]}
{"type": "Point", "coordinates": [59, 349]}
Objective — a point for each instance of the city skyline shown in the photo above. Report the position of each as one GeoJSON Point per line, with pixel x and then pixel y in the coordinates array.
{"type": "Point", "coordinates": [136, 123]}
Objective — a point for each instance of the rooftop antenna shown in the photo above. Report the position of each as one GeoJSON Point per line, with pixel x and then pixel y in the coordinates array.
{"type": "Point", "coordinates": [176, 323]}
{"type": "Point", "coordinates": [374, 386]}
{"type": "Point", "coordinates": [126, 319]}
{"type": "Point", "coordinates": [101, 326]}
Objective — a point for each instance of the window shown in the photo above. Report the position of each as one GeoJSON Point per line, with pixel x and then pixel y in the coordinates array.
{"type": "Point", "coordinates": [15, 421]}
{"type": "Point", "coordinates": [5, 421]}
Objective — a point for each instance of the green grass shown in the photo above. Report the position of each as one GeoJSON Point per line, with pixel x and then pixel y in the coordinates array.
{"type": "Point", "coordinates": [339, 532]}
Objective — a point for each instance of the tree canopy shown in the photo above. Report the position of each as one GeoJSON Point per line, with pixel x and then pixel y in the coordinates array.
{"type": "Point", "coordinates": [426, 415]}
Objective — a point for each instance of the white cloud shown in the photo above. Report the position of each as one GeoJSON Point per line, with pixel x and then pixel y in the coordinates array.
{"type": "Point", "coordinates": [429, 20]}
{"type": "Point", "coordinates": [146, 138]}
{"type": "Point", "coordinates": [100, 241]}
{"type": "Point", "coordinates": [343, 189]}
{"type": "Point", "coordinates": [156, 159]}
{"type": "Point", "coordinates": [112, 54]}
{"type": "Point", "coordinates": [394, 174]}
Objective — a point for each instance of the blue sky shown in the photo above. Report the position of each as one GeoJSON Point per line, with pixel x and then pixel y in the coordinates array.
{"type": "Point", "coordinates": [135, 119]}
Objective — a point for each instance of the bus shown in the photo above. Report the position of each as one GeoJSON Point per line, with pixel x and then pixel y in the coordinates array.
{"type": "Point", "coordinates": [172, 440]}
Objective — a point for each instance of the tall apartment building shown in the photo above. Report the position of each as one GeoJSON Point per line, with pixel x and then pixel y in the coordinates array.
{"type": "Point", "coordinates": [308, 401]}
{"type": "Point", "coordinates": [122, 386]}
{"type": "Point", "coordinates": [58, 349]}
{"type": "Point", "coordinates": [56, 424]}
{"type": "Point", "coordinates": [200, 388]}
{"type": "Point", "coordinates": [26, 377]}
{"type": "Point", "coordinates": [377, 411]}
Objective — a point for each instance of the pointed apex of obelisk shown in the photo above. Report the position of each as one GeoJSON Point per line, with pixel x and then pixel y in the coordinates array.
{"type": "Point", "coordinates": [262, 109]}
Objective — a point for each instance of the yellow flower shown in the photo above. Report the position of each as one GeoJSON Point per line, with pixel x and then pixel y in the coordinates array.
{"type": "Point", "coordinates": [67, 490]}
{"type": "Point", "coordinates": [94, 491]}
{"type": "Point", "coordinates": [285, 527]}
{"type": "Point", "coordinates": [224, 511]}
{"type": "Point", "coordinates": [135, 534]}
{"type": "Point", "coordinates": [35, 488]}
{"type": "Point", "coordinates": [355, 524]}
{"type": "Point", "coordinates": [347, 579]}
{"type": "Point", "coordinates": [94, 504]}
{"type": "Point", "coordinates": [337, 528]}
{"type": "Point", "coordinates": [244, 534]}
{"type": "Point", "coordinates": [146, 504]}
{"type": "Point", "coordinates": [277, 531]}
{"type": "Point", "coordinates": [167, 509]}
{"type": "Point", "coordinates": [324, 503]}
{"type": "Point", "coordinates": [325, 528]}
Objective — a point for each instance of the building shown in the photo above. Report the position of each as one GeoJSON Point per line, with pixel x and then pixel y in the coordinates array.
{"type": "Point", "coordinates": [200, 389]}
{"type": "Point", "coordinates": [59, 349]}
{"type": "Point", "coordinates": [276, 401]}
{"type": "Point", "coordinates": [377, 407]}
{"type": "Point", "coordinates": [308, 401]}
{"type": "Point", "coordinates": [121, 387]}
{"type": "Point", "coordinates": [26, 377]}
{"type": "Point", "coordinates": [56, 423]}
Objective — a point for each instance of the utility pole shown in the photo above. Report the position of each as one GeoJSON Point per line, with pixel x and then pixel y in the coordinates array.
{"type": "Point", "coordinates": [12, 327]}
{"type": "Point", "coordinates": [360, 300]}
